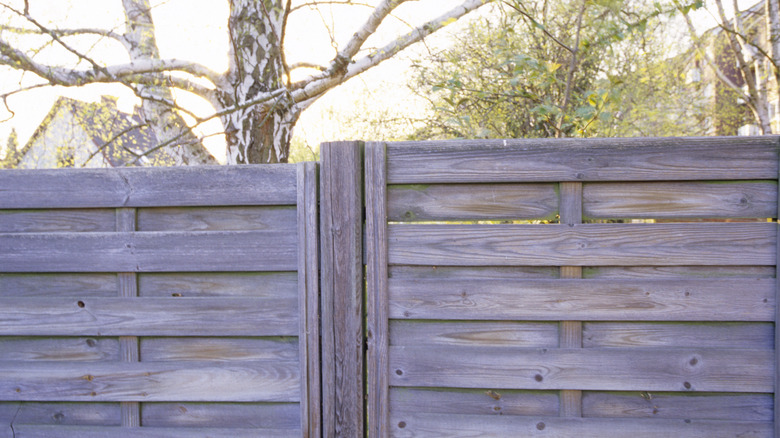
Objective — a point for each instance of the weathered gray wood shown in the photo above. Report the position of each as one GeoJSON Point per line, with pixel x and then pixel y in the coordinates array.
{"type": "Point", "coordinates": [584, 245]}
{"type": "Point", "coordinates": [462, 426]}
{"type": "Point", "coordinates": [127, 284]}
{"type": "Point", "coordinates": [148, 317]}
{"type": "Point", "coordinates": [777, 323]}
{"type": "Point", "coordinates": [28, 431]}
{"type": "Point", "coordinates": [492, 401]}
{"type": "Point", "coordinates": [585, 300]}
{"type": "Point", "coordinates": [735, 370]}
{"type": "Point", "coordinates": [272, 381]}
{"type": "Point", "coordinates": [377, 338]}
{"type": "Point", "coordinates": [59, 349]}
{"type": "Point", "coordinates": [153, 251]}
{"type": "Point", "coordinates": [434, 273]}
{"type": "Point", "coordinates": [220, 284]}
{"type": "Point", "coordinates": [254, 415]}
{"type": "Point", "coordinates": [341, 222]}
{"type": "Point", "coordinates": [739, 407]}
{"type": "Point", "coordinates": [64, 414]}
{"type": "Point", "coordinates": [49, 221]}
{"type": "Point", "coordinates": [681, 200]}
{"type": "Point", "coordinates": [668, 272]}
{"type": "Point", "coordinates": [79, 285]}
{"type": "Point", "coordinates": [308, 300]}
{"type": "Point", "coordinates": [279, 219]}
{"type": "Point", "coordinates": [471, 202]}
{"type": "Point", "coordinates": [148, 187]}
{"type": "Point", "coordinates": [474, 333]}
{"type": "Point", "coordinates": [603, 159]}
{"type": "Point", "coordinates": [679, 335]}
{"type": "Point", "coordinates": [218, 349]}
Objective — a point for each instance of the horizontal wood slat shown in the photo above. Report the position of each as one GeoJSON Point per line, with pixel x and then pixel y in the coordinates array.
{"type": "Point", "coordinates": [148, 317]}
{"type": "Point", "coordinates": [217, 219]}
{"type": "Point", "coordinates": [721, 370]}
{"type": "Point", "coordinates": [584, 300]}
{"type": "Point", "coordinates": [51, 221]}
{"type": "Point", "coordinates": [218, 349]}
{"type": "Point", "coordinates": [718, 406]}
{"type": "Point", "coordinates": [604, 159]}
{"type": "Point", "coordinates": [475, 201]}
{"type": "Point", "coordinates": [678, 335]}
{"type": "Point", "coordinates": [681, 200]}
{"type": "Point", "coordinates": [59, 349]}
{"type": "Point", "coordinates": [260, 415]}
{"type": "Point", "coordinates": [219, 284]}
{"type": "Point", "coordinates": [583, 245]}
{"type": "Point", "coordinates": [461, 426]}
{"type": "Point", "coordinates": [272, 381]}
{"type": "Point", "coordinates": [492, 401]}
{"type": "Point", "coordinates": [27, 431]}
{"type": "Point", "coordinates": [149, 252]}
{"type": "Point", "coordinates": [149, 187]}
{"type": "Point", "coordinates": [474, 333]}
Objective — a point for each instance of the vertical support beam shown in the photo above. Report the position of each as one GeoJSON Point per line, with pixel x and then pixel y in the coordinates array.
{"type": "Point", "coordinates": [341, 230]}
{"type": "Point", "coordinates": [308, 300]}
{"type": "Point", "coordinates": [777, 316]}
{"type": "Point", "coordinates": [127, 283]}
{"type": "Point", "coordinates": [376, 297]}
{"type": "Point", "coordinates": [570, 332]}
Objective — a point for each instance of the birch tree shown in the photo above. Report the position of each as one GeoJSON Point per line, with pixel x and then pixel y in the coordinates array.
{"type": "Point", "coordinates": [255, 99]}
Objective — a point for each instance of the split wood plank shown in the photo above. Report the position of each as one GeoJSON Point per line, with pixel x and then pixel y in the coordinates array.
{"type": "Point", "coordinates": [681, 200]}
{"type": "Point", "coordinates": [583, 159]}
{"type": "Point", "coordinates": [149, 252]}
{"type": "Point", "coordinates": [584, 300]}
{"type": "Point", "coordinates": [378, 405]}
{"type": "Point", "coordinates": [273, 381]}
{"type": "Point", "coordinates": [471, 202]}
{"type": "Point", "coordinates": [268, 184]}
{"type": "Point", "coordinates": [148, 317]}
{"type": "Point", "coordinates": [584, 245]}
{"type": "Point", "coordinates": [721, 370]}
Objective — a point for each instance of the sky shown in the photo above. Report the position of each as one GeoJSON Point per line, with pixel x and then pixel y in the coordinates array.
{"type": "Point", "coordinates": [196, 30]}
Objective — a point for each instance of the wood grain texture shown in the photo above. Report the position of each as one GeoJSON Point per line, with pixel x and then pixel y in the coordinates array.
{"type": "Point", "coordinates": [308, 300]}
{"type": "Point", "coordinates": [341, 282]}
{"type": "Point", "coordinates": [127, 284]}
{"type": "Point", "coordinates": [148, 317]}
{"type": "Point", "coordinates": [586, 369]}
{"type": "Point", "coordinates": [51, 221]}
{"type": "Point", "coordinates": [145, 252]}
{"type": "Point", "coordinates": [249, 415]}
{"type": "Point", "coordinates": [463, 426]}
{"type": "Point", "coordinates": [678, 335]}
{"type": "Point", "coordinates": [584, 300]}
{"type": "Point", "coordinates": [280, 219]}
{"type": "Point", "coordinates": [686, 272]}
{"type": "Point", "coordinates": [274, 381]}
{"type": "Point", "coordinates": [25, 349]}
{"type": "Point", "coordinates": [583, 245]}
{"type": "Point", "coordinates": [75, 285]}
{"type": "Point", "coordinates": [148, 187]}
{"type": "Point", "coordinates": [602, 159]}
{"type": "Point", "coordinates": [471, 202]}
{"type": "Point", "coordinates": [377, 337]}
{"type": "Point", "coordinates": [474, 333]}
{"type": "Point", "coordinates": [219, 349]}
{"type": "Point", "coordinates": [706, 406]}
{"type": "Point", "coordinates": [681, 200]}
{"type": "Point", "coordinates": [491, 401]}
{"type": "Point", "coordinates": [63, 414]}
{"type": "Point", "coordinates": [27, 431]}
{"type": "Point", "coordinates": [219, 284]}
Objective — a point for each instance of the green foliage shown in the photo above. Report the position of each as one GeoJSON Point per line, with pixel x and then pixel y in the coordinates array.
{"type": "Point", "coordinates": [507, 76]}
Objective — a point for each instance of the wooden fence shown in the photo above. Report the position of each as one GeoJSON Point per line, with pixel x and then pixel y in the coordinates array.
{"type": "Point", "coordinates": [552, 288]}
{"type": "Point", "coordinates": [159, 302]}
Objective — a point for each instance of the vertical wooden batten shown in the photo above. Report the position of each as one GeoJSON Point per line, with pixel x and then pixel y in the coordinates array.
{"type": "Point", "coordinates": [341, 231]}
{"type": "Point", "coordinates": [377, 409]}
{"type": "Point", "coordinates": [127, 283]}
{"type": "Point", "coordinates": [777, 314]}
{"type": "Point", "coordinates": [308, 300]}
{"type": "Point", "coordinates": [570, 332]}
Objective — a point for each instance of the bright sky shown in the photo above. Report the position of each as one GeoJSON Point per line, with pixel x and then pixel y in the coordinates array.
{"type": "Point", "coordinates": [196, 30]}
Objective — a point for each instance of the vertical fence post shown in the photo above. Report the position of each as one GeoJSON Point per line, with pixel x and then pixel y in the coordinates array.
{"type": "Point", "coordinates": [376, 298]}
{"type": "Point", "coordinates": [777, 311]}
{"type": "Point", "coordinates": [341, 223]}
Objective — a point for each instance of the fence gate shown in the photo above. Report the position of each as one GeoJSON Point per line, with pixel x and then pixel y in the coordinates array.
{"type": "Point", "coordinates": [159, 302]}
{"type": "Point", "coordinates": [572, 288]}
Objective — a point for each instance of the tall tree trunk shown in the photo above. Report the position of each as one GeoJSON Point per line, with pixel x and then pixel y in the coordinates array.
{"type": "Point", "coordinates": [772, 15]}
{"type": "Point", "coordinates": [169, 128]}
{"type": "Point", "coordinates": [260, 133]}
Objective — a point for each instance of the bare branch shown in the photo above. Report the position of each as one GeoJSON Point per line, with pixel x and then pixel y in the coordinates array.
{"type": "Point", "coordinates": [534, 22]}
{"type": "Point", "coordinates": [318, 3]}
{"type": "Point", "coordinates": [298, 65]}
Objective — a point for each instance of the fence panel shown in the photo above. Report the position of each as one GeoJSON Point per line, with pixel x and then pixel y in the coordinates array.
{"type": "Point", "coordinates": [160, 302]}
{"type": "Point", "coordinates": [590, 288]}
